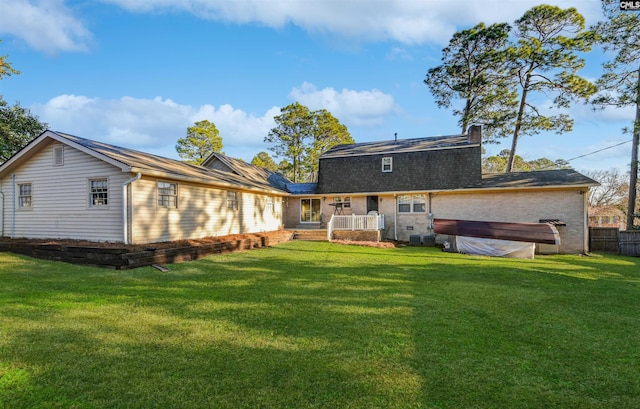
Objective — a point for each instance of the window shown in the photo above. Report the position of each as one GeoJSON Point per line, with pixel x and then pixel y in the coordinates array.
{"type": "Point", "coordinates": [412, 204]}
{"type": "Point", "coordinates": [58, 155]}
{"type": "Point", "coordinates": [404, 204]}
{"type": "Point", "coordinates": [270, 207]}
{"type": "Point", "coordinates": [232, 200]}
{"type": "Point", "coordinates": [167, 194]}
{"type": "Point", "coordinates": [345, 201]}
{"type": "Point", "coordinates": [98, 192]}
{"type": "Point", "coordinates": [24, 196]}
{"type": "Point", "coordinates": [386, 164]}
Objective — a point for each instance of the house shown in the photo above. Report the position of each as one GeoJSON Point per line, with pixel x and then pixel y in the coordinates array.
{"type": "Point", "coordinates": [607, 216]}
{"type": "Point", "coordinates": [63, 186]}
{"type": "Point", "coordinates": [413, 181]}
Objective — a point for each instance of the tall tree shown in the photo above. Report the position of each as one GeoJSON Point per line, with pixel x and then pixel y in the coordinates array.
{"type": "Point", "coordinates": [293, 128]}
{"type": "Point", "coordinates": [201, 141]}
{"type": "Point", "coordinates": [620, 84]}
{"type": "Point", "coordinates": [5, 67]}
{"type": "Point", "coordinates": [545, 61]}
{"type": "Point", "coordinates": [286, 169]}
{"type": "Point", "coordinates": [264, 160]}
{"type": "Point", "coordinates": [613, 189]}
{"type": "Point", "coordinates": [17, 125]}
{"type": "Point", "coordinates": [302, 135]}
{"type": "Point", "coordinates": [327, 133]}
{"type": "Point", "coordinates": [17, 128]}
{"type": "Point", "coordinates": [474, 72]}
{"type": "Point", "coordinates": [498, 163]}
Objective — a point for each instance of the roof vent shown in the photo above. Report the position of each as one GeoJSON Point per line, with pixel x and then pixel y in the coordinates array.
{"type": "Point", "coordinates": [58, 155]}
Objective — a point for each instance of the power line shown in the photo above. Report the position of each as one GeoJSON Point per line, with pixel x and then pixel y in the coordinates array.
{"type": "Point", "coordinates": [599, 150]}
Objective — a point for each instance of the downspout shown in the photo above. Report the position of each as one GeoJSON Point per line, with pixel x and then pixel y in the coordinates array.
{"type": "Point", "coordinates": [125, 214]}
{"type": "Point", "coordinates": [13, 204]}
{"type": "Point", "coordinates": [395, 217]}
{"type": "Point", "coordinates": [430, 216]}
{"type": "Point", "coordinates": [1, 214]}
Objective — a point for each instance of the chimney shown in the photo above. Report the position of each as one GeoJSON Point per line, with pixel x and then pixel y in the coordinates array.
{"type": "Point", "coordinates": [474, 133]}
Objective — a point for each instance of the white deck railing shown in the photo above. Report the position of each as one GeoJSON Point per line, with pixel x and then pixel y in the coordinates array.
{"type": "Point", "coordinates": [355, 222]}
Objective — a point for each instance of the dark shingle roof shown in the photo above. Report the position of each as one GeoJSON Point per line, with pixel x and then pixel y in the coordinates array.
{"type": "Point", "coordinates": [541, 178]}
{"type": "Point", "coordinates": [302, 188]}
{"type": "Point", "coordinates": [399, 146]}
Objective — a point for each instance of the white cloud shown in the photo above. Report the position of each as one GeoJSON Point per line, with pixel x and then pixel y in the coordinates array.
{"type": "Point", "coordinates": [45, 25]}
{"type": "Point", "coordinates": [359, 108]}
{"type": "Point", "coordinates": [154, 125]}
{"type": "Point", "coordinates": [51, 26]}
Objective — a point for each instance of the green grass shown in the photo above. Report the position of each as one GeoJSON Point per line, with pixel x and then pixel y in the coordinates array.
{"type": "Point", "coordinates": [320, 325]}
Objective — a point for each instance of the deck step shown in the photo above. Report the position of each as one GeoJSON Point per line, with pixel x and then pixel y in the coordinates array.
{"type": "Point", "coordinates": [310, 235]}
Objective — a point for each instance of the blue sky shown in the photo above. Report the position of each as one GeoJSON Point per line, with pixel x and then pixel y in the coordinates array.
{"type": "Point", "coordinates": [137, 73]}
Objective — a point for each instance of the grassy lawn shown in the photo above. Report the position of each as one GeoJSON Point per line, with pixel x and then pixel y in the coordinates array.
{"type": "Point", "coordinates": [321, 325]}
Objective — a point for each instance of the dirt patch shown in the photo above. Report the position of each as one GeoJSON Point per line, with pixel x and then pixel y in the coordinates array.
{"type": "Point", "coordinates": [377, 244]}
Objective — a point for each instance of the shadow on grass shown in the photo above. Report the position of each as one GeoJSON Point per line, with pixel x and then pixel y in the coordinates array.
{"type": "Point", "coordinates": [321, 325]}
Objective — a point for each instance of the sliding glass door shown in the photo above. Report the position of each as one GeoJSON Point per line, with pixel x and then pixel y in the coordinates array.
{"type": "Point", "coordinates": [310, 210]}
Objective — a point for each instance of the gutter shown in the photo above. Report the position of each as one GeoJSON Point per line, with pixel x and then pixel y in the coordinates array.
{"type": "Point", "coordinates": [208, 182]}
{"type": "Point", "coordinates": [125, 215]}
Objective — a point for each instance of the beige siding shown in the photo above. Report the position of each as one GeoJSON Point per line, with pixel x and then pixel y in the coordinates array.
{"type": "Point", "coordinates": [60, 196]}
{"type": "Point", "coordinates": [202, 211]}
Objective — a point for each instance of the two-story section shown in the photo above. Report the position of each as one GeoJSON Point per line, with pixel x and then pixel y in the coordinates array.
{"type": "Point", "coordinates": [402, 165]}
{"type": "Point", "coordinates": [409, 183]}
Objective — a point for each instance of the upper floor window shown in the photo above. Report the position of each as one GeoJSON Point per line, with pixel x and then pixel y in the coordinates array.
{"type": "Point", "coordinates": [387, 164]}
{"type": "Point", "coordinates": [24, 196]}
{"type": "Point", "coordinates": [232, 200]}
{"type": "Point", "coordinates": [412, 204]}
{"type": "Point", "coordinates": [167, 194]}
{"type": "Point", "coordinates": [98, 192]}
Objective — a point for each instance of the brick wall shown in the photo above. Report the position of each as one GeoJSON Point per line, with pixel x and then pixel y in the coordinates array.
{"type": "Point", "coordinates": [568, 206]}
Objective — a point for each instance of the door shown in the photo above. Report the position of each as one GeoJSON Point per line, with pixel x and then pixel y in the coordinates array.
{"type": "Point", "coordinates": [310, 210]}
{"type": "Point", "coordinates": [372, 203]}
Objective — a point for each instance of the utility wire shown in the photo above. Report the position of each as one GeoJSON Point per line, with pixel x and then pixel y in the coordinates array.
{"type": "Point", "coordinates": [599, 150]}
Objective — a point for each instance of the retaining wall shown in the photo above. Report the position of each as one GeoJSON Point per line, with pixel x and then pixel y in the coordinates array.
{"type": "Point", "coordinates": [121, 258]}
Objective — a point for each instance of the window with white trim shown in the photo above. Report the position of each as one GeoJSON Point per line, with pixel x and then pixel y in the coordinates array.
{"type": "Point", "coordinates": [345, 201]}
{"type": "Point", "coordinates": [387, 163]}
{"type": "Point", "coordinates": [167, 194]}
{"type": "Point", "coordinates": [270, 206]}
{"type": "Point", "coordinates": [98, 192]}
{"type": "Point", "coordinates": [24, 196]}
{"type": "Point", "coordinates": [232, 200]}
{"type": "Point", "coordinates": [412, 204]}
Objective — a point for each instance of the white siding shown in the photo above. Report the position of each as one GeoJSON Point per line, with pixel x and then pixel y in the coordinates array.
{"type": "Point", "coordinates": [202, 212]}
{"type": "Point", "coordinates": [60, 196]}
